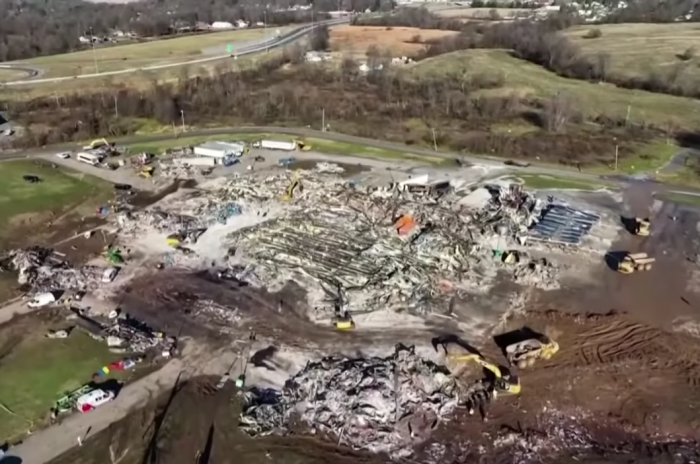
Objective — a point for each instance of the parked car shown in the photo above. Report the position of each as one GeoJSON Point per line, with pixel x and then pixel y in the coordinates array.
{"type": "Point", "coordinates": [63, 155]}
{"type": "Point", "coordinates": [94, 399]}
{"type": "Point", "coordinates": [109, 274]}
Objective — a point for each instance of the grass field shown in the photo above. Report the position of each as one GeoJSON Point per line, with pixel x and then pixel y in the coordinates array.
{"type": "Point", "coordinates": [355, 40]}
{"type": "Point", "coordinates": [7, 75]}
{"type": "Point", "coordinates": [525, 78]}
{"type": "Point", "coordinates": [639, 49]}
{"type": "Point", "coordinates": [59, 191]}
{"type": "Point", "coordinates": [692, 200]}
{"type": "Point", "coordinates": [156, 52]}
{"type": "Point", "coordinates": [139, 79]}
{"type": "Point", "coordinates": [36, 371]}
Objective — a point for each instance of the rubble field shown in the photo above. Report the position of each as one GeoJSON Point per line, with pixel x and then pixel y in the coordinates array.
{"type": "Point", "coordinates": [578, 407]}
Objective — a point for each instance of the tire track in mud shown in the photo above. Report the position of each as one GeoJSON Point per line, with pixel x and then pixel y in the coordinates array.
{"type": "Point", "coordinates": [619, 341]}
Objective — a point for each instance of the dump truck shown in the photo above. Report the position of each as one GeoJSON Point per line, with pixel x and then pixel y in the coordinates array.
{"type": "Point", "coordinates": [632, 262]}
{"type": "Point", "coordinates": [526, 352]}
{"type": "Point", "coordinates": [642, 226]}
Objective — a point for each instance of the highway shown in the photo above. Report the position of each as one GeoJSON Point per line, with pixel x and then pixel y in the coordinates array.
{"type": "Point", "coordinates": [248, 49]}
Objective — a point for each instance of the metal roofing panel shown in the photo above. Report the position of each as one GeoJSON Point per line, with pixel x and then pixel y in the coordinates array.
{"type": "Point", "coordinates": [563, 224]}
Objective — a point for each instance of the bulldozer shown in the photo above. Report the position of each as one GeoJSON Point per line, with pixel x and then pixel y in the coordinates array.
{"type": "Point", "coordinates": [99, 143]}
{"type": "Point", "coordinates": [525, 353]}
{"type": "Point", "coordinates": [642, 226]}
{"type": "Point", "coordinates": [294, 184]}
{"type": "Point", "coordinates": [632, 262]}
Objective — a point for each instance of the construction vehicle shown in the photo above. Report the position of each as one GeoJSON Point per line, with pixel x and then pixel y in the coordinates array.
{"type": "Point", "coordinates": [147, 172]}
{"type": "Point", "coordinates": [342, 320]}
{"type": "Point", "coordinates": [294, 184]}
{"type": "Point", "coordinates": [99, 143]}
{"type": "Point", "coordinates": [184, 237]}
{"type": "Point", "coordinates": [632, 262]}
{"type": "Point", "coordinates": [524, 353]}
{"type": "Point", "coordinates": [642, 226]}
{"type": "Point", "coordinates": [496, 378]}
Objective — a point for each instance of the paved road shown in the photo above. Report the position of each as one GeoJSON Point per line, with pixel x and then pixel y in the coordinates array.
{"type": "Point", "coordinates": [331, 136]}
{"type": "Point", "coordinates": [248, 49]}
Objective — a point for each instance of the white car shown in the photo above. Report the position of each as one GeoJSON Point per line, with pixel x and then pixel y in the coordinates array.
{"type": "Point", "coordinates": [109, 274]}
{"type": "Point", "coordinates": [94, 399]}
{"type": "Point", "coordinates": [64, 155]}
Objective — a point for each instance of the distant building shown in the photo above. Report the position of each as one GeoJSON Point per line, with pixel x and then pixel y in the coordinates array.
{"type": "Point", "coordinates": [220, 150]}
{"type": "Point", "coordinates": [221, 25]}
{"type": "Point", "coordinates": [316, 57]}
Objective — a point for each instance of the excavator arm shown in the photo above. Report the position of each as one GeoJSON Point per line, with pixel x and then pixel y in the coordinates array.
{"type": "Point", "coordinates": [480, 361]}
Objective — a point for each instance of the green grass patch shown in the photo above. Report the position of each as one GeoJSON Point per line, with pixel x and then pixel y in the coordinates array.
{"type": "Point", "coordinates": [350, 149]}
{"type": "Point", "coordinates": [38, 371]}
{"type": "Point", "coordinates": [143, 54]}
{"type": "Point", "coordinates": [59, 191]}
{"type": "Point", "coordinates": [526, 79]}
{"type": "Point", "coordinates": [682, 198]}
{"type": "Point", "coordinates": [646, 158]}
{"type": "Point", "coordinates": [545, 182]}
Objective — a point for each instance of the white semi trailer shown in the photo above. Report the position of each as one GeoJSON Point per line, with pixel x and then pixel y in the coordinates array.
{"type": "Point", "coordinates": [275, 145]}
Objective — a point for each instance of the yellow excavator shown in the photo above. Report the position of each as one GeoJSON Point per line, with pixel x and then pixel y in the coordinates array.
{"type": "Point", "coordinates": [294, 184]}
{"type": "Point", "coordinates": [499, 378]}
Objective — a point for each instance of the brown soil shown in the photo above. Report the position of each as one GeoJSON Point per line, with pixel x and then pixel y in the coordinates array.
{"type": "Point", "coordinates": [398, 40]}
{"type": "Point", "coordinates": [607, 380]}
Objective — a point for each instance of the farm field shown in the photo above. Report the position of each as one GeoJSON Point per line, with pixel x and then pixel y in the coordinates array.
{"type": "Point", "coordinates": [149, 53]}
{"type": "Point", "coordinates": [641, 49]}
{"type": "Point", "coordinates": [399, 41]}
{"type": "Point", "coordinates": [525, 78]}
{"type": "Point", "coordinates": [11, 74]}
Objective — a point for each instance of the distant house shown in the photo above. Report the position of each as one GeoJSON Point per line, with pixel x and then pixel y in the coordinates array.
{"type": "Point", "coordinates": [221, 25]}
{"type": "Point", "coordinates": [241, 24]}
{"type": "Point", "coordinates": [316, 57]}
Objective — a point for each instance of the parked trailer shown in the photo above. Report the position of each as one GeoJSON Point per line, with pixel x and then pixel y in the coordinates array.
{"type": "Point", "coordinates": [195, 161]}
{"type": "Point", "coordinates": [275, 145]}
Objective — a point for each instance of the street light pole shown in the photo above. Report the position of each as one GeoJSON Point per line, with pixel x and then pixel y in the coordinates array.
{"type": "Point", "coordinates": [94, 55]}
{"type": "Point", "coordinates": [182, 117]}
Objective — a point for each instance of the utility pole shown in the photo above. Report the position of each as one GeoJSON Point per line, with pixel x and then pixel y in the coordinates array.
{"type": "Point", "coordinates": [182, 116]}
{"type": "Point", "coordinates": [627, 118]}
{"type": "Point", "coordinates": [323, 120]}
{"type": "Point", "coordinates": [265, 25]}
{"type": "Point", "coordinates": [434, 140]}
{"type": "Point", "coordinates": [116, 107]}
{"type": "Point", "coordinates": [616, 152]}
{"type": "Point", "coordinates": [94, 55]}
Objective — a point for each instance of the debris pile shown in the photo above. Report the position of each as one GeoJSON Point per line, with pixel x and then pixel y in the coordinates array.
{"type": "Point", "coordinates": [44, 270]}
{"type": "Point", "coordinates": [539, 273]}
{"type": "Point", "coordinates": [379, 404]}
{"type": "Point", "coordinates": [405, 246]}
{"type": "Point", "coordinates": [130, 335]}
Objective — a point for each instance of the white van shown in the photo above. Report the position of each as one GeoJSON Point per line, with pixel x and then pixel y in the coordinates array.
{"type": "Point", "coordinates": [94, 399]}
{"type": "Point", "coordinates": [88, 158]}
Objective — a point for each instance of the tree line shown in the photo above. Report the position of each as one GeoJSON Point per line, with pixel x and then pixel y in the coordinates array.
{"type": "Point", "coordinates": [30, 28]}
{"type": "Point", "coordinates": [379, 104]}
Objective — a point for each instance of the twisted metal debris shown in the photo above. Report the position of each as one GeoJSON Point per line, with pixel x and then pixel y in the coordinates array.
{"type": "Point", "coordinates": [43, 270]}
{"type": "Point", "coordinates": [380, 404]}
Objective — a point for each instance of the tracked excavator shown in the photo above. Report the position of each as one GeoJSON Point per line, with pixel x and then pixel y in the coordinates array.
{"type": "Point", "coordinates": [498, 377]}
{"type": "Point", "coordinates": [294, 184]}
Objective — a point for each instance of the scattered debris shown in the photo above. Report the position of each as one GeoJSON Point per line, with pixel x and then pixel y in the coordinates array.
{"type": "Point", "coordinates": [379, 404]}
